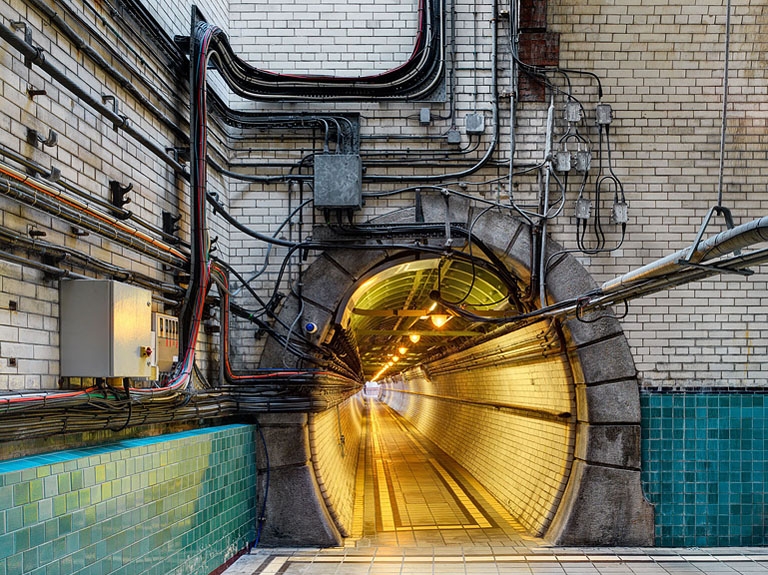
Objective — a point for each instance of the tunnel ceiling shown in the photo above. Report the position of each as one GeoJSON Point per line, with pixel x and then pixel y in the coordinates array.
{"type": "Point", "coordinates": [393, 307]}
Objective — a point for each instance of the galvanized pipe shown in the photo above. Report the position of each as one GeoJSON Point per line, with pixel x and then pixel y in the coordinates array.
{"type": "Point", "coordinates": [723, 243]}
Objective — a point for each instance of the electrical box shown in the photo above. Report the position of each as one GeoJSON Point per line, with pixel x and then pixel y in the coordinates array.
{"type": "Point", "coordinates": [563, 161]}
{"type": "Point", "coordinates": [573, 111]}
{"type": "Point", "coordinates": [338, 181]}
{"type": "Point", "coordinates": [474, 123]}
{"type": "Point", "coordinates": [603, 114]}
{"type": "Point", "coordinates": [167, 341]}
{"type": "Point", "coordinates": [105, 328]}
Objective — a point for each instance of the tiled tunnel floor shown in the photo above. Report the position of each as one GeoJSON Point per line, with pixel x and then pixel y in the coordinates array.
{"type": "Point", "coordinates": [419, 512]}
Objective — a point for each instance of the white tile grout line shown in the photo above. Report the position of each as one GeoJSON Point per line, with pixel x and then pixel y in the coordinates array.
{"type": "Point", "coordinates": [278, 561]}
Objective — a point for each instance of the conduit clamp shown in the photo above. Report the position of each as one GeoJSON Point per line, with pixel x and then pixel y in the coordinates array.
{"type": "Point", "coordinates": [39, 56]}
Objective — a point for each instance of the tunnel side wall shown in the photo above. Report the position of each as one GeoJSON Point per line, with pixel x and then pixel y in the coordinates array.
{"type": "Point", "coordinates": [335, 436]}
{"type": "Point", "coordinates": [521, 457]}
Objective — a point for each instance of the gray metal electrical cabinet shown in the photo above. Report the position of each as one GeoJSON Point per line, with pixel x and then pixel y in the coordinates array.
{"type": "Point", "coordinates": [105, 328]}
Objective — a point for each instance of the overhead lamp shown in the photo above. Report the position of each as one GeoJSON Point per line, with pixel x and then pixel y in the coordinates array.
{"type": "Point", "coordinates": [414, 337]}
{"type": "Point", "coordinates": [402, 350]}
{"type": "Point", "coordinates": [395, 358]}
{"type": "Point", "coordinates": [439, 319]}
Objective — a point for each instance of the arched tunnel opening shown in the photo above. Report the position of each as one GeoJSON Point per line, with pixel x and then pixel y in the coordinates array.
{"type": "Point", "coordinates": [530, 424]}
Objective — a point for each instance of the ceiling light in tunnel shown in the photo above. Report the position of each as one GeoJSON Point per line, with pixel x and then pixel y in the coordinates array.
{"type": "Point", "coordinates": [402, 350]}
{"type": "Point", "coordinates": [414, 337]}
{"type": "Point", "coordinates": [439, 319]}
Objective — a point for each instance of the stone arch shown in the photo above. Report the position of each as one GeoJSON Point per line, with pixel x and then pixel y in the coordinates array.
{"type": "Point", "coordinates": [602, 502]}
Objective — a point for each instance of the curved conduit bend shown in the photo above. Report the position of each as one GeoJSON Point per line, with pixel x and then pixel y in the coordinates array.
{"type": "Point", "coordinates": [555, 439]}
{"type": "Point", "coordinates": [416, 78]}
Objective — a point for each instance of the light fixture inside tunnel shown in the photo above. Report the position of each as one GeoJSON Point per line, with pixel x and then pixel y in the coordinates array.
{"type": "Point", "coordinates": [439, 319]}
{"type": "Point", "coordinates": [398, 301]}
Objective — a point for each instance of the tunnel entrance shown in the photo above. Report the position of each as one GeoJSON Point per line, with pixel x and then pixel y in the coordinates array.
{"type": "Point", "coordinates": [545, 417]}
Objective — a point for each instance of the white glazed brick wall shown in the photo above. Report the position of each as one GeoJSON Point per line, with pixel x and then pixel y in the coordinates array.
{"type": "Point", "coordinates": [524, 461]}
{"type": "Point", "coordinates": [330, 38]}
{"type": "Point", "coordinates": [661, 65]}
{"type": "Point", "coordinates": [89, 154]}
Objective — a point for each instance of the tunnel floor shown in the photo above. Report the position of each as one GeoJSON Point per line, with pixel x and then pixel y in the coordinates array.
{"type": "Point", "coordinates": [418, 512]}
{"type": "Point", "coordinates": [411, 494]}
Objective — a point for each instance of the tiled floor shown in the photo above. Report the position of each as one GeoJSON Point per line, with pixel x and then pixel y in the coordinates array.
{"type": "Point", "coordinates": [419, 512]}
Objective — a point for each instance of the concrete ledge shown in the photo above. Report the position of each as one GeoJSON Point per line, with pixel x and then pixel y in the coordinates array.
{"type": "Point", "coordinates": [603, 506]}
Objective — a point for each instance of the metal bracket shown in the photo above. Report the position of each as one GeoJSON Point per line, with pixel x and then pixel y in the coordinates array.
{"type": "Point", "coordinates": [686, 261]}
{"type": "Point", "coordinates": [180, 154]}
{"type": "Point", "coordinates": [720, 211]}
{"type": "Point", "coordinates": [33, 92]}
{"type": "Point", "coordinates": [118, 198]}
{"type": "Point", "coordinates": [34, 138]}
{"type": "Point", "coordinates": [169, 225]}
{"type": "Point", "coordinates": [111, 98]}
{"type": "Point", "coordinates": [20, 25]}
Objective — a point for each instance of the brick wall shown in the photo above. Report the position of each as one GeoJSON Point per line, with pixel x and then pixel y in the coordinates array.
{"type": "Point", "coordinates": [661, 68]}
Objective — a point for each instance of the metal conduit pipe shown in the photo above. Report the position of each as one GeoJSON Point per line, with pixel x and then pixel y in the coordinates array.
{"type": "Point", "coordinates": [495, 120]}
{"type": "Point", "coordinates": [125, 83]}
{"type": "Point", "coordinates": [37, 56]}
{"type": "Point", "coordinates": [76, 258]}
{"type": "Point", "coordinates": [48, 174]}
{"type": "Point", "coordinates": [55, 202]}
{"type": "Point", "coordinates": [723, 243]}
{"type": "Point", "coordinates": [88, 197]}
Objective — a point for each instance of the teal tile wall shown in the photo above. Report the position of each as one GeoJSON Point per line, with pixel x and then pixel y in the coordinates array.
{"type": "Point", "coordinates": [179, 504]}
{"type": "Point", "coordinates": [705, 466]}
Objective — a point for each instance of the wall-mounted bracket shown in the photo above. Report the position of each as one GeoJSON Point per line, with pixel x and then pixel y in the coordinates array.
{"type": "Point", "coordinates": [118, 199]}
{"type": "Point", "coordinates": [28, 61]}
{"type": "Point", "coordinates": [179, 153]}
{"type": "Point", "coordinates": [124, 119]}
{"type": "Point", "coordinates": [33, 92]}
{"type": "Point", "coordinates": [34, 138]}
{"type": "Point", "coordinates": [170, 226]}
{"type": "Point", "coordinates": [34, 232]}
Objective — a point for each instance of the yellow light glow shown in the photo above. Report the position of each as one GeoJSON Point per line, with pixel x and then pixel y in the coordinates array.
{"type": "Point", "coordinates": [433, 307]}
{"type": "Point", "coordinates": [414, 337]}
{"type": "Point", "coordinates": [395, 358]}
{"type": "Point", "coordinates": [439, 319]}
{"type": "Point", "coordinates": [402, 350]}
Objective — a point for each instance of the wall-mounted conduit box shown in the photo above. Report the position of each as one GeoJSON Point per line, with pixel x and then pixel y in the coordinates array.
{"type": "Point", "coordinates": [106, 329]}
{"type": "Point", "coordinates": [338, 181]}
